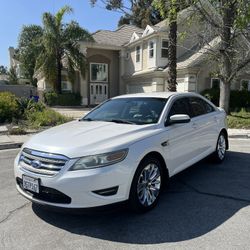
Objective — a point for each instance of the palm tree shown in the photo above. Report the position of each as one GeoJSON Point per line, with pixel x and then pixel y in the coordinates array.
{"type": "Point", "coordinates": [172, 52]}
{"type": "Point", "coordinates": [60, 46]}
{"type": "Point", "coordinates": [169, 9]}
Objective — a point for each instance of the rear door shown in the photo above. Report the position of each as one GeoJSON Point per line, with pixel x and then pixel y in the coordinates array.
{"type": "Point", "coordinates": [205, 123]}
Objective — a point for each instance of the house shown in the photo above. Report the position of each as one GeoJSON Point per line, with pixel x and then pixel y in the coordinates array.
{"type": "Point", "coordinates": [16, 65]}
{"type": "Point", "coordinates": [133, 60]}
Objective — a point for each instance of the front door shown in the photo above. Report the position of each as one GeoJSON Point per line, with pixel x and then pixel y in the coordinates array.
{"type": "Point", "coordinates": [98, 93]}
{"type": "Point", "coordinates": [178, 141]}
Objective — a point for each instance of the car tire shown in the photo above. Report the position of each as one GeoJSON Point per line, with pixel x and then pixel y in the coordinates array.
{"type": "Point", "coordinates": [146, 185]}
{"type": "Point", "coordinates": [221, 147]}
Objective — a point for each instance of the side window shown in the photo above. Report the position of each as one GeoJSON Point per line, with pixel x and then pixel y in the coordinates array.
{"type": "Point", "coordinates": [208, 107]}
{"type": "Point", "coordinates": [199, 106]}
{"type": "Point", "coordinates": [180, 106]}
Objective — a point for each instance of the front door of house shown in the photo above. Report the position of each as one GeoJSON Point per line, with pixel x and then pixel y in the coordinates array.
{"type": "Point", "coordinates": [98, 93]}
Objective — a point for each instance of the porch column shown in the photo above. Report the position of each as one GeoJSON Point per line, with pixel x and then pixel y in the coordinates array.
{"type": "Point", "coordinates": [83, 82]}
{"type": "Point", "coordinates": [122, 87]}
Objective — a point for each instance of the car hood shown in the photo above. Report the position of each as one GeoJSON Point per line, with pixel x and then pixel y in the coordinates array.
{"type": "Point", "coordinates": [81, 138]}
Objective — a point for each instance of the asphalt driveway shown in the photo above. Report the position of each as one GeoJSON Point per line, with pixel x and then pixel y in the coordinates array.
{"type": "Point", "coordinates": [205, 207]}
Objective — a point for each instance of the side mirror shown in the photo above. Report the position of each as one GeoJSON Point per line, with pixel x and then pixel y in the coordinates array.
{"type": "Point", "coordinates": [179, 119]}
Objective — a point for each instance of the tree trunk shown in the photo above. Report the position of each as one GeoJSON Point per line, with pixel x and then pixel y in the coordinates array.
{"type": "Point", "coordinates": [226, 68]}
{"type": "Point", "coordinates": [225, 96]}
{"type": "Point", "coordinates": [172, 48]}
{"type": "Point", "coordinates": [58, 88]}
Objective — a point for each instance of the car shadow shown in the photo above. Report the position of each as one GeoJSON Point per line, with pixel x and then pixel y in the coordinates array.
{"type": "Point", "coordinates": [195, 202]}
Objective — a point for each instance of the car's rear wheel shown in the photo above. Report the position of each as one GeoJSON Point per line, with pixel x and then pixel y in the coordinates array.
{"type": "Point", "coordinates": [146, 185]}
{"type": "Point", "coordinates": [221, 147]}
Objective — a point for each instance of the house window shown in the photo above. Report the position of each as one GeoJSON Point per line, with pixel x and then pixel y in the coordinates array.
{"type": "Point", "coordinates": [151, 49]}
{"type": "Point", "coordinates": [215, 83]}
{"type": "Point", "coordinates": [164, 48]}
{"type": "Point", "coordinates": [138, 53]}
{"type": "Point", "coordinates": [98, 72]}
{"type": "Point", "coordinates": [245, 84]}
{"type": "Point", "coordinates": [66, 86]}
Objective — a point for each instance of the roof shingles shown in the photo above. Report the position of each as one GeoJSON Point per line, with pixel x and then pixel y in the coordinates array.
{"type": "Point", "coordinates": [118, 37]}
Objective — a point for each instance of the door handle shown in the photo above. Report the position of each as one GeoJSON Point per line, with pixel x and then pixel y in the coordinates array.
{"type": "Point", "coordinates": [165, 143]}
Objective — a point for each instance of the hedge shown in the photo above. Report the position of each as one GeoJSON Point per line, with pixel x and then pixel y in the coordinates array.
{"type": "Point", "coordinates": [238, 98]}
{"type": "Point", "coordinates": [65, 99]}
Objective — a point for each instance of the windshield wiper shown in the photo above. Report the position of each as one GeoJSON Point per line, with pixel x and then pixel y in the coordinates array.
{"type": "Point", "coordinates": [121, 121]}
{"type": "Point", "coordinates": [86, 119]}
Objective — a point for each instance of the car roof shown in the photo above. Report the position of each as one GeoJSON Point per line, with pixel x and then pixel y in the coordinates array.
{"type": "Point", "coordinates": [157, 95]}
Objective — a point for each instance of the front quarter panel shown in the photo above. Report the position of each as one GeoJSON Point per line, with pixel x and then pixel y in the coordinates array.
{"type": "Point", "coordinates": [141, 148]}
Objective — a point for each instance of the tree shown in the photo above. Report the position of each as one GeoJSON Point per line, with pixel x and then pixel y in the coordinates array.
{"type": "Point", "coordinates": [49, 48]}
{"type": "Point", "coordinates": [169, 9]}
{"type": "Point", "coordinates": [230, 26]}
{"type": "Point", "coordinates": [136, 12]}
{"type": "Point", "coordinates": [172, 51]}
{"type": "Point", "coordinates": [28, 49]}
{"type": "Point", "coordinates": [59, 47]}
{"type": "Point", "coordinates": [12, 75]}
{"type": "Point", "coordinates": [3, 70]}
{"type": "Point", "coordinates": [143, 12]}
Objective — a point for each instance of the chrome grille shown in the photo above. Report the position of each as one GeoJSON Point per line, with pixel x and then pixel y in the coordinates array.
{"type": "Point", "coordinates": [41, 162]}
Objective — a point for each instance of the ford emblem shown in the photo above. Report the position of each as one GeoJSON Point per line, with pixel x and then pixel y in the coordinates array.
{"type": "Point", "coordinates": [36, 164]}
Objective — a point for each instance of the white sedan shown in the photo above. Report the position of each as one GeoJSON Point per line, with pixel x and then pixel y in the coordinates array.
{"type": "Point", "coordinates": [124, 149]}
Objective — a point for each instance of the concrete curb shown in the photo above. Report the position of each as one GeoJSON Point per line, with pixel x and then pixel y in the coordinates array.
{"type": "Point", "coordinates": [12, 145]}
{"type": "Point", "coordinates": [239, 136]}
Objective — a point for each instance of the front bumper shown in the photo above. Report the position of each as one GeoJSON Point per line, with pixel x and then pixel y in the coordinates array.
{"type": "Point", "coordinates": [80, 186]}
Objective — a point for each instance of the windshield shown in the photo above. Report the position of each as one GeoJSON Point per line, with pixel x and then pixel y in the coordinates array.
{"type": "Point", "coordinates": [129, 110]}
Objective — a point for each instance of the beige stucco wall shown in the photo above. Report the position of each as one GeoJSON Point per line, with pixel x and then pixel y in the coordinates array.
{"type": "Point", "coordinates": [111, 57]}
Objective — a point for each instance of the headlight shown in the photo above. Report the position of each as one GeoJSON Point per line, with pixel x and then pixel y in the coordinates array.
{"type": "Point", "coordinates": [101, 160]}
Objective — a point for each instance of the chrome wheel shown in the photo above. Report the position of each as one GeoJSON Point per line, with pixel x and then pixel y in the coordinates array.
{"type": "Point", "coordinates": [149, 184]}
{"type": "Point", "coordinates": [221, 147]}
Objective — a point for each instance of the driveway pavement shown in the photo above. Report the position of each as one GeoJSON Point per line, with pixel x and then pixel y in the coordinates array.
{"type": "Point", "coordinates": [205, 207]}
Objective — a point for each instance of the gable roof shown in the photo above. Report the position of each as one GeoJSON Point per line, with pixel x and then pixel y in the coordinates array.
{"type": "Point", "coordinates": [118, 37]}
{"type": "Point", "coordinates": [195, 58]}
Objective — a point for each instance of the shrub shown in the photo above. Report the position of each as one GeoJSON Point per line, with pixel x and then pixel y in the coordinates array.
{"type": "Point", "coordinates": [17, 131]}
{"type": "Point", "coordinates": [50, 98]}
{"type": "Point", "coordinates": [25, 104]}
{"type": "Point", "coordinates": [46, 117]}
{"type": "Point", "coordinates": [65, 99]}
{"type": "Point", "coordinates": [238, 98]}
{"type": "Point", "coordinates": [8, 107]}
{"type": "Point", "coordinates": [212, 95]}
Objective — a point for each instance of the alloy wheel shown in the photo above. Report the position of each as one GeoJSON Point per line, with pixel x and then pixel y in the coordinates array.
{"type": "Point", "coordinates": [221, 147]}
{"type": "Point", "coordinates": [149, 184]}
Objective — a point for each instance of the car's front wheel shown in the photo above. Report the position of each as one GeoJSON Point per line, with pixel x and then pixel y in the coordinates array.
{"type": "Point", "coordinates": [146, 185]}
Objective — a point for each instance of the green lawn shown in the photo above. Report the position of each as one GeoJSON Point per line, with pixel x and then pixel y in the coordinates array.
{"type": "Point", "coordinates": [239, 120]}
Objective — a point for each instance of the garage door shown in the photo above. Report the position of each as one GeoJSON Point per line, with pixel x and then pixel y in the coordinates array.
{"type": "Point", "coordinates": [139, 88]}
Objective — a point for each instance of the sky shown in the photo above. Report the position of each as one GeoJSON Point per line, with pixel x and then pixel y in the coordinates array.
{"type": "Point", "coordinates": [16, 13]}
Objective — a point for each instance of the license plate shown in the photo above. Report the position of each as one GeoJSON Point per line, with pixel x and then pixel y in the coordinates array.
{"type": "Point", "coordinates": [31, 184]}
